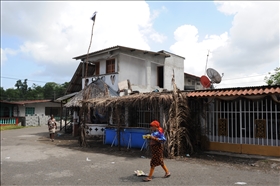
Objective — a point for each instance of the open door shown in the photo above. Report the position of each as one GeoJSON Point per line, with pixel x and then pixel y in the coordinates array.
{"type": "Point", "coordinates": [160, 79]}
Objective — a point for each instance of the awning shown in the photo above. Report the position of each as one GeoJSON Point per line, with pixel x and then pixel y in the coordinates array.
{"type": "Point", "coordinates": [66, 97]}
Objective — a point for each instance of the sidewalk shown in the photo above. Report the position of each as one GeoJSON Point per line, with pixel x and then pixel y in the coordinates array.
{"type": "Point", "coordinates": [248, 156]}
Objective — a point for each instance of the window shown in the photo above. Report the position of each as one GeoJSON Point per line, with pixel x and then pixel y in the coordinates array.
{"type": "Point", "coordinates": [110, 66]}
{"type": "Point", "coordinates": [52, 111]}
{"type": "Point", "coordinates": [29, 110]}
{"type": "Point", "coordinates": [97, 66]}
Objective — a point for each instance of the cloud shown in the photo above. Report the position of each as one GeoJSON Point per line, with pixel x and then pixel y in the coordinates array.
{"type": "Point", "coordinates": [3, 56]}
{"type": "Point", "coordinates": [52, 33]}
{"type": "Point", "coordinates": [254, 40]}
{"type": "Point", "coordinates": [5, 53]}
{"type": "Point", "coordinates": [195, 52]}
{"type": "Point", "coordinates": [232, 7]}
{"type": "Point", "coordinates": [249, 48]}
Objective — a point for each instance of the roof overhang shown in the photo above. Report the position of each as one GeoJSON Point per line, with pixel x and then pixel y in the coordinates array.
{"type": "Point", "coordinates": [108, 50]}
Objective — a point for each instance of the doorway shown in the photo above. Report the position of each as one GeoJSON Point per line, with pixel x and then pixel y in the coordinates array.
{"type": "Point", "coordinates": [160, 78]}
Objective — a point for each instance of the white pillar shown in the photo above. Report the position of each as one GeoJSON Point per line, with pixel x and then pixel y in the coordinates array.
{"type": "Point", "coordinates": [148, 67]}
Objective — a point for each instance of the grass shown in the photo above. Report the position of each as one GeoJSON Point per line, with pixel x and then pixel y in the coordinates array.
{"type": "Point", "coordinates": [10, 127]}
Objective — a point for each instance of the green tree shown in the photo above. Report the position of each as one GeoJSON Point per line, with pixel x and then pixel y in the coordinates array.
{"type": "Point", "coordinates": [53, 90]}
{"type": "Point", "coordinates": [35, 92]}
{"type": "Point", "coordinates": [22, 88]}
{"type": "Point", "coordinates": [3, 95]}
{"type": "Point", "coordinates": [273, 79]}
{"type": "Point", "coordinates": [49, 90]}
{"type": "Point", "coordinates": [13, 95]}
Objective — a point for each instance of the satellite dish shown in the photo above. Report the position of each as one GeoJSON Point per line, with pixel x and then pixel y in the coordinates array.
{"type": "Point", "coordinates": [205, 81]}
{"type": "Point", "coordinates": [214, 75]}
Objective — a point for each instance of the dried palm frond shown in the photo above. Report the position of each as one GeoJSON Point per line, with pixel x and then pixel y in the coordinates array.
{"type": "Point", "coordinates": [176, 128]}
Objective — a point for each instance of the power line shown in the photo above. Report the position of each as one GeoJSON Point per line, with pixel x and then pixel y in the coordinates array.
{"type": "Point", "coordinates": [244, 77]}
{"type": "Point", "coordinates": [24, 78]}
{"type": "Point", "coordinates": [4, 77]}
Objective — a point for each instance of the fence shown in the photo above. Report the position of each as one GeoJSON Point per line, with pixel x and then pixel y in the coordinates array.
{"type": "Point", "coordinates": [244, 121]}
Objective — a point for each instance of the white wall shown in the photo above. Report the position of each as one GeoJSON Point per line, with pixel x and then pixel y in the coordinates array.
{"type": "Point", "coordinates": [176, 63]}
{"type": "Point", "coordinates": [133, 65]}
{"type": "Point", "coordinates": [39, 107]}
{"type": "Point", "coordinates": [133, 69]}
{"type": "Point", "coordinates": [102, 67]}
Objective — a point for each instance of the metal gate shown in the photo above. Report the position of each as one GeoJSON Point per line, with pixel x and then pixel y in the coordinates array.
{"type": "Point", "coordinates": [244, 121]}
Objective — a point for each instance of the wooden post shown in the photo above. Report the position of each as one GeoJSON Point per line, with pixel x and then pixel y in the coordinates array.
{"type": "Point", "coordinates": [118, 129]}
{"type": "Point", "coordinates": [61, 110]}
{"type": "Point", "coordinates": [65, 119]}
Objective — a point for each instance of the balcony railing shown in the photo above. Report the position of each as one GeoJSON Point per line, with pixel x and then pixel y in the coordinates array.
{"type": "Point", "coordinates": [9, 120]}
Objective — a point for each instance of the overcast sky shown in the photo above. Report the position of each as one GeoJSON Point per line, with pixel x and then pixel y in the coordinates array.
{"type": "Point", "coordinates": [39, 39]}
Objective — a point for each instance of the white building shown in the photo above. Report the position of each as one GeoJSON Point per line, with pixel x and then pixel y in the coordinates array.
{"type": "Point", "coordinates": [146, 70]}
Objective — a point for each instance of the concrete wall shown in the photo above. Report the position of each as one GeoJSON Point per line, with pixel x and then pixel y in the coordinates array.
{"type": "Point", "coordinates": [141, 69]}
{"type": "Point", "coordinates": [133, 69]}
{"type": "Point", "coordinates": [38, 120]}
{"type": "Point", "coordinates": [245, 149]}
{"type": "Point", "coordinates": [177, 63]}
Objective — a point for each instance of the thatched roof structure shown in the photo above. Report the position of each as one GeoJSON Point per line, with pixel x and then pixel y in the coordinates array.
{"type": "Point", "coordinates": [95, 90]}
{"type": "Point", "coordinates": [152, 98]}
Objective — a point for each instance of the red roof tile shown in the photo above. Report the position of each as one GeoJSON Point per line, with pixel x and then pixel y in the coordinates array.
{"type": "Point", "coordinates": [240, 91]}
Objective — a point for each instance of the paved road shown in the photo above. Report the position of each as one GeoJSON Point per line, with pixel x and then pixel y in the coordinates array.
{"type": "Point", "coordinates": [27, 159]}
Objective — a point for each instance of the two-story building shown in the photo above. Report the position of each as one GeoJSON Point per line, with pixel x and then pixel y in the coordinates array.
{"type": "Point", "coordinates": [146, 70]}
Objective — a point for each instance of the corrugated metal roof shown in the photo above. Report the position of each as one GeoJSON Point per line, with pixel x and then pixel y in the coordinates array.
{"type": "Point", "coordinates": [118, 47]}
{"type": "Point", "coordinates": [191, 76]}
{"type": "Point", "coordinates": [75, 85]}
{"type": "Point", "coordinates": [166, 52]}
{"type": "Point", "coordinates": [240, 91]}
{"type": "Point", "coordinates": [66, 96]}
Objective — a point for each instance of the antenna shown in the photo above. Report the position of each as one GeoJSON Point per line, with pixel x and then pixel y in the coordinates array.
{"type": "Point", "coordinates": [206, 61]}
{"type": "Point", "coordinates": [214, 75]}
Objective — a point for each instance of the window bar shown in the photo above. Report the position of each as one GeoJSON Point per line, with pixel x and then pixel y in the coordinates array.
{"type": "Point", "coordinates": [219, 113]}
{"type": "Point", "coordinates": [216, 121]}
{"type": "Point", "coordinates": [245, 114]}
{"type": "Point", "coordinates": [258, 118]}
{"type": "Point", "coordinates": [212, 126]}
{"type": "Point", "coordinates": [224, 113]}
{"type": "Point", "coordinates": [227, 104]}
{"type": "Point", "coordinates": [231, 122]}
{"type": "Point", "coordinates": [209, 124]}
{"type": "Point", "coordinates": [254, 124]}
{"type": "Point", "coordinates": [261, 103]}
{"type": "Point", "coordinates": [249, 111]}
{"type": "Point", "coordinates": [276, 131]}
{"type": "Point", "coordinates": [240, 119]}
{"type": "Point", "coordinates": [235, 122]}
{"type": "Point", "coordinates": [271, 125]}
{"type": "Point", "coordinates": [212, 121]}
{"type": "Point", "coordinates": [266, 117]}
